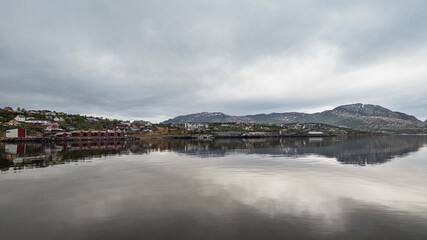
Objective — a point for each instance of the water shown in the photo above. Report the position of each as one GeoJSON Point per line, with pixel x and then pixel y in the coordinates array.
{"type": "Point", "coordinates": [294, 188]}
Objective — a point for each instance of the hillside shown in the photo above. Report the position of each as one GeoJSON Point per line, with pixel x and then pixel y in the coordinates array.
{"type": "Point", "coordinates": [357, 116]}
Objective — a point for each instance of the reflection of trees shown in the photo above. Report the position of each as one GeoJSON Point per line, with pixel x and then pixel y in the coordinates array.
{"type": "Point", "coordinates": [360, 151]}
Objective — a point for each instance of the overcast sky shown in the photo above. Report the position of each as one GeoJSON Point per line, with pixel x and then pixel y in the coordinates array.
{"type": "Point", "coordinates": [154, 60]}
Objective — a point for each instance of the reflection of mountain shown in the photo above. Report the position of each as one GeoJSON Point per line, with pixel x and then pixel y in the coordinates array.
{"type": "Point", "coordinates": [360, 151]}
{"type": "Point", "coordinates": [372, 150]}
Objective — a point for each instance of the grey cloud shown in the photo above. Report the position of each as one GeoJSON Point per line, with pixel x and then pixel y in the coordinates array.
{"type": "Point", "coordinates": [152, 59]}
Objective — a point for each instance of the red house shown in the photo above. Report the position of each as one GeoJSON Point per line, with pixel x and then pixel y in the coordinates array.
{"type": "Point", "coordinates": [88, 134]}
{"type": "Point", "coordinates": [62, 135]}
{"type": "Point", "coordinates": [96, 134]}
{"type": "Point", "coordinates": [114, 134]}
{"type": "Point", "coordinates": [77, 134]}
{"type": "Point", "coordinates": [16, 133]}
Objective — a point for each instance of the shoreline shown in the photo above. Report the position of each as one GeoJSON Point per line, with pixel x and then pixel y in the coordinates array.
{"type": "Point", "coordinates": [164, 137]}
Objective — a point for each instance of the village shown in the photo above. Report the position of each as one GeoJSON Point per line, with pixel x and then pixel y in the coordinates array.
{"type": "Point", "coordinates": [21, 123]}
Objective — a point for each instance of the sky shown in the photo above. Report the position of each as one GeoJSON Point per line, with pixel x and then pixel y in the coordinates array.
{"type": "Point", "coordinates": [154, 60]}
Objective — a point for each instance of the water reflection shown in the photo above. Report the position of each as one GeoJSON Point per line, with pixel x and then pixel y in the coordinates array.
{"type": "Point", "coordinates": [227, 189]}
{"type": "Point", "coordinates": [358, 151]}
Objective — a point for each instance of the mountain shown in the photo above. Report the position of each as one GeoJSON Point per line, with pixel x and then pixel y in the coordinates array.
{"type": "Point", "coordinates": [357, 116]}
{"type": "Point", "coordinates": [199, 117]}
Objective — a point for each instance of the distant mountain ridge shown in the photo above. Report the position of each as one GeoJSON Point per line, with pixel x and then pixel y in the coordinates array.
{"type": "Point", "coordinates": [357, 116]}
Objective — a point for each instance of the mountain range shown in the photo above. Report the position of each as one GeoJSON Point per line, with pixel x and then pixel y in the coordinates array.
{"type": "Point", "coordinates": [356, 116]}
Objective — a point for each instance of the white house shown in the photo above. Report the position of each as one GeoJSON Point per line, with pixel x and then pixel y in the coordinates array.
{"type": "Point", "coordinates": [20, 118]}
{"type": "Point", "coordinates": [58, 119]}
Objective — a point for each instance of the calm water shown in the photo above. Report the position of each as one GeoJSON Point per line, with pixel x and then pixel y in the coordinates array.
{"type": "Point", "coordinates": [331, 188]}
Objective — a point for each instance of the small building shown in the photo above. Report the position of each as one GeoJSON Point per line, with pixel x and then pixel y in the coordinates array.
{"type": "Point", "coordinates": [71, 128]}
{"type": "Point", "coordinates": [258, 134]}
{"type": "Point", "coordinates": [88, 134]}
{"type": "Point", "coordinates": [315, 133]}
{"type": "Point", "coordinates": [8, 109]}
{"type": "Point", "coordinates": [37, 121]}
{"type": "Point", "coordinates": [122, 127]}
{"type": "Point", "coordinates": [63, 134]}
{"type": "Point", "coordinates": [127, 123]}
{"type": "Point", "coordinates": [20, 118]}
{"type": "Point", "coordinates": [91, 119]}
{"type": "Point", "coordinates": [77, 133]}
{"type": "Point", "coordinates": [58, 119]}
{"type": "Point", "coordinates": [12, 122]}
{"type": "Point", "coordinates": [96, 133]}
{"type": "Point", "coordinates": [16, 133]}
{"type": "Point", "coordinates": [196, 126]}
{"type": "Point", "coordinates": [140, 124]}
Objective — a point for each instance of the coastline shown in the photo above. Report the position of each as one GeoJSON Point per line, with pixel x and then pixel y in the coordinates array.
{"type": "Point", "coordinates": [165, 137]}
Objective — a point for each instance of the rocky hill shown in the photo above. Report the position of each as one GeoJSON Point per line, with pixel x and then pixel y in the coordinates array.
{"type": "Point", "coordinates": [357, 116]}
{"type": "Point", "coordinates": [204, 117]}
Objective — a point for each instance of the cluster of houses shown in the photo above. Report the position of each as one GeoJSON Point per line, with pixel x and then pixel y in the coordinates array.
{"type": "Point", "coordinates": [22, 119]}
{"type": "Point", "coordinates": [51, 127]}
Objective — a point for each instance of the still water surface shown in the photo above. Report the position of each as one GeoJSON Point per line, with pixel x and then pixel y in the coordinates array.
{"type": "Point", "coordinates": [293, 188]}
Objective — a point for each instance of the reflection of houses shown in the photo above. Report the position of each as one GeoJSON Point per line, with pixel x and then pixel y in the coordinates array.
{"type": "Point", "coordinates": [15, 148]}
{"type": "Point", "coordinates": [50, 154]}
